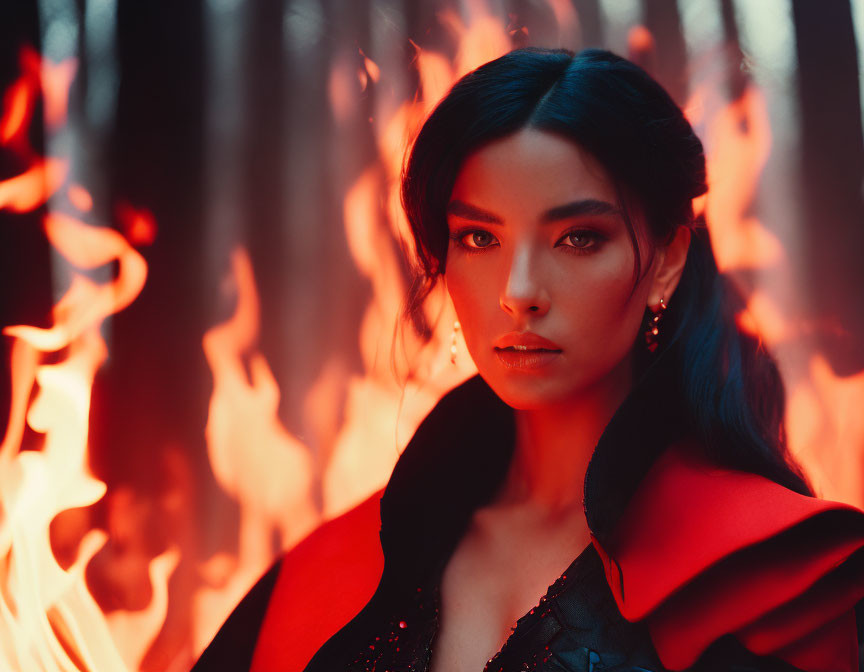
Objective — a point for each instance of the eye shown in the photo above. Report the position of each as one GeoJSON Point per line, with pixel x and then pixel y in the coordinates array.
{"type": "Point", "coordinates": [473, 240]}
{"type": "Point", "coordinates": [581, 241]}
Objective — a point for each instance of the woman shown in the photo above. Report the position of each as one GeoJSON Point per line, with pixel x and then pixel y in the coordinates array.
{"type": "Point", "coordinates": [621, 427]}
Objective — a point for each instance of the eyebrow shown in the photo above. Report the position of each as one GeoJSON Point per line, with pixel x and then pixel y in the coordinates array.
{"type": "Point", "coordinates": [588, 206]}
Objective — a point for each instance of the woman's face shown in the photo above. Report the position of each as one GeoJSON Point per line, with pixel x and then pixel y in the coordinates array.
{"type": "Point", "coordinates": [538, 244]}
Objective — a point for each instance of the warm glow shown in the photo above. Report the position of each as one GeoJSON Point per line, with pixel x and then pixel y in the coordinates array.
{"type": "Point", "coordinates": [48, 618]}
{"type": "Point", "coordinates": [254, 459]}
{"type": "Point", "coordinates": [739, 138]}
{"type": "Point", "coordinates": [138, 224]}
{"type": "Point", "coordinates": [367, 445]}
{"type": "Point", "coordinates": [54, 80]}
{"type": "Point", "coordinates": [824, 434]}
{"type": "Point", "coordinates": [825, 426]}
{"type": "Point", "coordinates": [29, 190]}
{"type": "Point", "coordinates": [17, 108]}
{"type": "Point", "coordinates": [80, 198]}
{"type": "Point", "coordinates": [356, 421]}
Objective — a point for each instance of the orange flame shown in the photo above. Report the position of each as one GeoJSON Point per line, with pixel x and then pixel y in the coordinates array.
{"type": "Point", "coordinates": [139, 225]}
{"type": "Point", "coordinates": [54, 80]}
{"type": "Point", "coordinates": [48, 618]}
{"type": "Point", "coordinates": [254, 459]}
{"type": "Point", "coordinates": [80, 198]}
{"type": "Point", "coordinates": [55, 620]}
{"type": "Point", "coordinates": [33, 187]}
{"type": "Point", "coordinates": [17, 110]}
{"type": "Point", "coordinates": [824, 437]}
{"type": "Point", "coordinates": [380, 414]}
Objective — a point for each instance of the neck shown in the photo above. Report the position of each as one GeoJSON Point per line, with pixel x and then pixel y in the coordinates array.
{"type": "Point", "coordinates": [554, 444]}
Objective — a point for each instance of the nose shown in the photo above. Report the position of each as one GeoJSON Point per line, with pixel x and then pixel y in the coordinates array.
{"type": "Point", "coordinates": [523, 293]}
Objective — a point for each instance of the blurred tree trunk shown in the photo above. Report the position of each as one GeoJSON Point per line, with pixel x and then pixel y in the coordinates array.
{"type": "Point", "coordinates": [832, 173]}
{"type": "Point", "coordinates": [590, 24]}
{"type": "Point", "coordinates": [670, 60]}
{"type": "Point", "coordinates": [150, 398]}
{"type": "Point", "coordinates": [263, 174]}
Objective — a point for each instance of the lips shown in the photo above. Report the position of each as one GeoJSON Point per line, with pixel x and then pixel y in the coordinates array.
{"type": "Point", "coordinates": [527, 353]}
{"type": "Point", "coordinates": [525, 341]}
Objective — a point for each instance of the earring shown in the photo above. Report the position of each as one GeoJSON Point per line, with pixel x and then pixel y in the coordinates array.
{"type": "Point", "coordinates": [653, 330]}
{"type": "Point", "coordinates": [456, 327]}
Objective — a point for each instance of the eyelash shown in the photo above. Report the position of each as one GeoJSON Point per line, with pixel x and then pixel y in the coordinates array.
{"type": "Point", "coordinates": [591, 249]}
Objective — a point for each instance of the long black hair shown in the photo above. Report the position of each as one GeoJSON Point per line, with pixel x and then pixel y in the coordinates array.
{"type": "Point", "coordinates": [617, 112]}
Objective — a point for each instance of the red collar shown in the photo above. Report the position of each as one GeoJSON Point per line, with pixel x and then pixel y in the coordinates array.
{"type": "Point", "coordinates": [698, 551]}
{"type": "Point", "coordinates": [702, 551]}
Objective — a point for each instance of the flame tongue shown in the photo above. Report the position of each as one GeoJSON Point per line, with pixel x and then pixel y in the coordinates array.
{"type": "Point", "coordinates": [48, 618]}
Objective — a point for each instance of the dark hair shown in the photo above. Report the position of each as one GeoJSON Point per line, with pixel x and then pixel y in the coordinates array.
{"type": "Point", "coordinates": [613, 109]}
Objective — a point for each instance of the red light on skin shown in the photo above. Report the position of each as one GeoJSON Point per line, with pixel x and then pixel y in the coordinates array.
{"type": "Point", "coordinates": [526, 350]}
{"type": "Point", "coordinates": [527, 360]}
{"type": "Point", "coordinates": [525, 339]}
{"type": "Point", "coordinates": [138, 225]}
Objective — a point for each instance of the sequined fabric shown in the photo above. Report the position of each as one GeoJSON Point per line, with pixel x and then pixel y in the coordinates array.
{"type": "Point", "coordinates": [405, 643]}
{"type": "Point", "coordinates": [575, 627]}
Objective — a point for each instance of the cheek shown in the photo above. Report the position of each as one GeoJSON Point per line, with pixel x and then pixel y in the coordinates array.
{"type": "Point", "coordinates": [598, 303]}
{"type": "Point", "coordinates": [474, 294]}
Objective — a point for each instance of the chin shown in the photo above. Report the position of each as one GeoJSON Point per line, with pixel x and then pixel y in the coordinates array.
{"type": "Point", "coordinates": [524, 391]}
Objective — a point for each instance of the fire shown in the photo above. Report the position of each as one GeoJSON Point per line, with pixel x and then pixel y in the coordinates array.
{"type": "Point", "coordinates": [285, 485]}
{"type": "Point", "coordinates": [55, 619]}
{"type": "Point", "coordinates": [254, 459]}
{"type": "Point", "coordinates": [739, 136]}
{"type": "Point", "coordinates": [825, 437]}
{"type": "Point", "coordinates": [364, 450]}
{"type": "Point", "coordinates": [32, 188]}
{"type": "Point", "coordinates": [138, 224]}
{"type": "Point", "coordinates": [49, 618]}
{"type": "Point", "coordinates": [80, 198]}
{"type": "Point", "coordinates": [43, 175]}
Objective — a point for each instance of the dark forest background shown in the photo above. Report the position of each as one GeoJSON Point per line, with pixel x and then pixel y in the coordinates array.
{"type": "Point", "coordinates": [171, 98]}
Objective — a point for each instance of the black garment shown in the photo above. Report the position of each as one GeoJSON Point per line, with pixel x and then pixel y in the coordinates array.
{"type": "Point", "coordinates": [454, 463]}
{"type": "Point", "coordinates": [577, 617]}
{"type": "Point", "coordinates": [234, 644]}
{"type": "Point", "coordinates": [575, 627]}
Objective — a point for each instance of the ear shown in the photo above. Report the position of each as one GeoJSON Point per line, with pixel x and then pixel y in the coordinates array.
{"type": "Point", "coordinates": [670, 264]}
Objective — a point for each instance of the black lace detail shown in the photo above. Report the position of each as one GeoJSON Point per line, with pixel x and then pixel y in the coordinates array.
{"type": "Point", "coordinates": [573, 622]}
{"type": "Point", "coordinates": [575, 627]}
{"type": "Point", "coordinates": [405, 644]}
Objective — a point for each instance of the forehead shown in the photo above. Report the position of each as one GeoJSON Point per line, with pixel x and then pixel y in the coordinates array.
{"type": "Point", "coordinates": [530, 171]}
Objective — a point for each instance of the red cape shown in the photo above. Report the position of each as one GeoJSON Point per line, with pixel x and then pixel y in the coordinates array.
{"type": "Point", "coordinates": [703, 551]}
{"type": "Point", "coordinates": [323, 583]}
{"type": "Point", "coordinates": [700, 552]}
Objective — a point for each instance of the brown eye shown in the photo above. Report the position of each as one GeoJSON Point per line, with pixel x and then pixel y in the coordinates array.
{"type": "Point", "coordinates": [478, 239]}
{"type": "Point", "coordinates": [580, 240]}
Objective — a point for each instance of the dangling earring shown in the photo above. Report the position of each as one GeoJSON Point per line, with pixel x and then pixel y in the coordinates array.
{"type": "Point", "coordinates": [456, 327]}
{"type": "Point", "coordinates": [653, 330]}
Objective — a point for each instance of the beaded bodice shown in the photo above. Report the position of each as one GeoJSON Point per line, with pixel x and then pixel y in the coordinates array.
{"type": "Point", "coordinates": [575, 627]}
